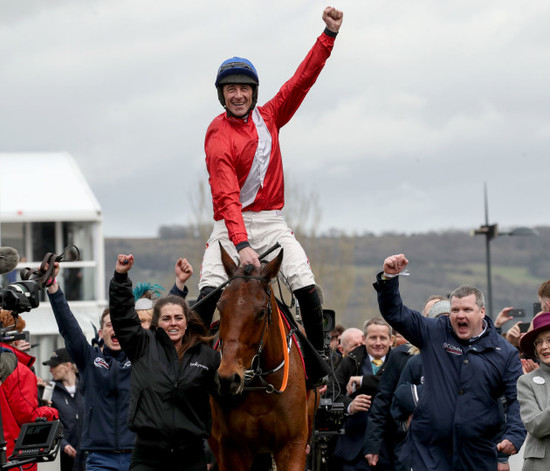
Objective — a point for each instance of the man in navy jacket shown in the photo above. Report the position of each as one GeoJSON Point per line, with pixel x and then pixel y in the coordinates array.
{"type": "Point", "coordinates": [105, 372]}
{"type": "Point", "coordinates": [467, 368]}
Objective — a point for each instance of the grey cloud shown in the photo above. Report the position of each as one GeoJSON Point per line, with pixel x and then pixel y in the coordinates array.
{"type": "Point", "coordinates": [413, 112]}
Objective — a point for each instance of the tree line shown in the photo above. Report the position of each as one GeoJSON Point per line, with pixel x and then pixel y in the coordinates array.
{"type": "Point", "coordinates": [345, 265]}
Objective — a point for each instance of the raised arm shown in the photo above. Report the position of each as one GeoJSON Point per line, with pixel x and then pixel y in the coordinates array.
{"type": "Point", "coordinates": [184, 271]}
{"type": "Point", "coordinates": [75, 340]}
{"type": "Point", "coordinates": [130, 334]}
{"type": "Point", "coordinates": [395, 264]}
{"type": "Point", "coordinates": [333, 19]}
{"type": "Point", "coordinates": [124, 263]}
{"type": "Point", "coordinates": [291, 95]}
{"type": "Point", "coordinates": [408, 322]}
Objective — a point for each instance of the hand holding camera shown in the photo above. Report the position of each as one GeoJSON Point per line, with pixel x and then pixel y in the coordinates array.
{"type": "Point", "coordinates": [22, 296]}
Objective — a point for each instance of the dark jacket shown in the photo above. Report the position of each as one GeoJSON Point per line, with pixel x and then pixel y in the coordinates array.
{"type": "Point", "coordinates": [408, 391]}
{"type": "Point", "coordinates": [71, 415]}
{"type": "Point", "coordinates": [351, 366]}
{"type": "Point", "coordinates": [352, 443]}
{"type": "Point", "coordinates": [459, 416]}
{"type": "Point", "coordinates": [169, 404]}
{"type": "Point", "coordinates": [105, 377]}
{"type": "Point", "coordinates": [383, 434]}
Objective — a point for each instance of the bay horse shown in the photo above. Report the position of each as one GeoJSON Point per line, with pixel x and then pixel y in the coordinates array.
{"type": "Point", "coordinates": [263, 404]}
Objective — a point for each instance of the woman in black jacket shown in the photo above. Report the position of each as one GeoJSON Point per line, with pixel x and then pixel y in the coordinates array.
{"type": "Point", "coordinates": [173, 370]}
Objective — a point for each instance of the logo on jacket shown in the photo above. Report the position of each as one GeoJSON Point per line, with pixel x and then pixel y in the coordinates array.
{"type": "Point", "coordinates": [101, 363]}
{"type": "Point", "coordinates": [452, 349]}
{"type": "Point", "coordinates": [127, 364]}
{"type": "Point", "coordinates": [199, 365]}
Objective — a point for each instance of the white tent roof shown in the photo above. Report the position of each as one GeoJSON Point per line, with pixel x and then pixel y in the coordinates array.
{"type": "Point", "coordinates": [44, 187]}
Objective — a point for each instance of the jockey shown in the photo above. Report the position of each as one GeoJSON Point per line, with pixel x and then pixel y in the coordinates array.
{"type": "Point", "coordinates": [244, 162]}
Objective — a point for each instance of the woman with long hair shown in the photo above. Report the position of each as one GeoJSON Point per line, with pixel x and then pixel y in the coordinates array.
{"type": "Point", "coordinates": [173, 370]}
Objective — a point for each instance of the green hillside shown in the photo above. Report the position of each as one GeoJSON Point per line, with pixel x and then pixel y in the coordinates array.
{"type": "Point", "coordinates": [345, 266]}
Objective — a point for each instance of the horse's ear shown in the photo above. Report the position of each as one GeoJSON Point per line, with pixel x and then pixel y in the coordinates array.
{"type": "Point", "coordinates": [228, 263]}
{"type": "Point", "coordinates": [272, 268]}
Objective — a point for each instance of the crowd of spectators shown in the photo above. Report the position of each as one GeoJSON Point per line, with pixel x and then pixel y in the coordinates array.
{"type": "Point", "coordinates": [458, 394]}
{"type": "Point", "coordinates": [439, 389]}
{"type": "Point", "coordinates": [435, 390]}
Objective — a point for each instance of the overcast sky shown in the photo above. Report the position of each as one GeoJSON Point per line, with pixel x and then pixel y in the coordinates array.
{"type": "Point", "coordinates": [420, 103]}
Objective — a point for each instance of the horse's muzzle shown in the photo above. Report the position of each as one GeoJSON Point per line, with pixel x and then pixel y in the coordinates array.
{"type": "Point", "coordinates": [231, 385]}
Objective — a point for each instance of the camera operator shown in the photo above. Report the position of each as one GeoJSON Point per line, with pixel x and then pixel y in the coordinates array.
{"type": "Point", "coordinates": [19, 392]}
{"type": "Point", "coordinates": [330, 417]}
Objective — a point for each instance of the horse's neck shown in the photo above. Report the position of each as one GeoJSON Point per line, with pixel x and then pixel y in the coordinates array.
{"type": "Point", "coordinates": [276, 341]}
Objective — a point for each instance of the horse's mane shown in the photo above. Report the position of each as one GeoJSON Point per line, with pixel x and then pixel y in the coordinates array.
{"type": "Point", "coordinates": [248, 269]}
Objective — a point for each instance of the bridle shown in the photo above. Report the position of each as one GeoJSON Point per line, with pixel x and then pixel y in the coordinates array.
{"type": "Point", "coordinates": [255, 370]}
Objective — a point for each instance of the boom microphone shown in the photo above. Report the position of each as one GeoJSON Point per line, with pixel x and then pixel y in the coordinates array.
{"type": "Point", "coordinates": [9, 258]}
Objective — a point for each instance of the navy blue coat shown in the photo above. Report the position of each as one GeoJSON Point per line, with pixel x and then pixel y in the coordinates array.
{"type": "Point", "coordinates": [105, 378]}
{"type": "Point", "coordinates": [71, 415]}
{"type": "Point", "coordinates": [458, 418]}
{"type": "Point", "coordinates": [408, 390]}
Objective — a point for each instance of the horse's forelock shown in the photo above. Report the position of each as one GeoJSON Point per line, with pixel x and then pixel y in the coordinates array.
{"type": "Point", "coordinates": [248, 269]}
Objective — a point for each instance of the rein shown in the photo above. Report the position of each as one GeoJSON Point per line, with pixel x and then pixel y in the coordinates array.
{"type": "Point", "coordinates": [255, 370]}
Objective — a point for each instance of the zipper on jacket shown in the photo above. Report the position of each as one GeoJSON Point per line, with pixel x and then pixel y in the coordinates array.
{"type": "Point", "coordinates": [115, 377]}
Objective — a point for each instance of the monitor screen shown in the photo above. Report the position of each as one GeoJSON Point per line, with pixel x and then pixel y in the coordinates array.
{"type": "Point", "coordinates": [37, 434]}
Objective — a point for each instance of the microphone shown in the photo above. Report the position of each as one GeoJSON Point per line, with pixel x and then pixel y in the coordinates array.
{"type": "Point", "coordinates": [9, 258]}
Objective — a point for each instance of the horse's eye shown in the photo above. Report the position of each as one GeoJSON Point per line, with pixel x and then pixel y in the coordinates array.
{"type": "Point", "coordinates": [261, 313]}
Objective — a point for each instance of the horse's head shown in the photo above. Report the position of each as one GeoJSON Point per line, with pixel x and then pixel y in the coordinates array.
{"type": "Point", "coordinates": [245, 315]}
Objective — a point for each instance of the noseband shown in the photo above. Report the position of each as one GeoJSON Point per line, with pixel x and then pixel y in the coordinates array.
{"type": "Point", "coordinates": [255, 371]}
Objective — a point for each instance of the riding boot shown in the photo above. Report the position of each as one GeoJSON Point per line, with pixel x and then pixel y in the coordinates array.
{"type": "Point", "coordinates": [312, 315]}
{"type": "Point", "coordinates": [206, 308]}
{"type": "Point", "coordinates": [311, 311]}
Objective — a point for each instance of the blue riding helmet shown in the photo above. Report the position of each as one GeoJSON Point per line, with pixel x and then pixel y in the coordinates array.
{"type": "Point", "coordinates": [237, 70]}
{"type": "Point", "coordinates": [237, 66]}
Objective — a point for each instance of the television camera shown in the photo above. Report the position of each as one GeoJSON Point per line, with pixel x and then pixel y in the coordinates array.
{"type": "Point", "coordinates": [22, 296]}
{"type": "Point", "coordinates": [37, 441]}
{"type": "Point", "coordinates": [329, 423]}
{"type": "Point", "coordinates": [330, 416]}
